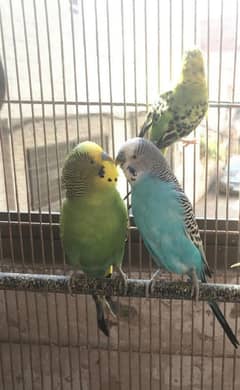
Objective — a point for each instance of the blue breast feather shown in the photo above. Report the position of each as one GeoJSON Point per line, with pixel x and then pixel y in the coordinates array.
{"type": "Point", "coordinates": [159, 217]}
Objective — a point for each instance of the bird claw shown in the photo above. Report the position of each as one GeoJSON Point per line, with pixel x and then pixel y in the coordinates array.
{"type": "Point", "coordinates": [151, 284]}
{"type": "Point", "coordinates": [187, 142]}
{"type": "Point", "coordinates": [71, 280]}
{"type": "Point", "coordinates": [195, 286]}
{"type": "Point", "coordinates": [123, 277]}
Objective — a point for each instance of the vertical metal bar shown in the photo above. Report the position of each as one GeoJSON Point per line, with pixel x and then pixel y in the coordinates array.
{"type": "Point", "coordinates": [194, 203]}
{"type": "Point", "coordinates": [217, 182]}
{"type": "Point", "coordinates": [140, 315]}
{"type": "Point", "coordinates": [13, 160]}
{"type": "Point", "coordinates": [160, 302]}
{"type": "Point", "coordinates": [22, 136]}
{"type": "Point", "coordinates": [27, 193]}
{"type": "Point", "coordinates": [89, 135]}
{"type": "Point", "coordinates": [135, 64]}
{"type": "Point", "coordinates": [53, 102]}
{"type": "Point", "coordinates": [150, 259]}
{"type": "Point", "coordinates": [206, 189]}
{"type": "Point", "coordinates": [58, 171]}
{"type": "Point", "coordinates": [47, 176]}
{"type": "Point", "coordinates": [38, 194]}
{"type": "Point", "coordinates": [98, 71]}
{"type": "Point", "coordinates": [74, 69]}
{"type": "Point", "coordinates": [86, 68]}
{"type": "Point", "coordinates": [78, 138]}
{"type": "Point", "coordinates": [233, 97]}
{"type": "Point", "coordinates": [110, 76]}
{"type": "Point", "coordinates": [101, 137]}
{"type": "Point", "coordinates": [146, 49]}
{"type": "Point", "coordinates": [182, 27]}
{"type": "Point", "coordinates": [170, 303]}
{"type": "Point", "coordinates": [183, 175]}
{"type": "Point", "coordinates": [7, 203]}
{"type": "Point", "coordinates": [44, 130]}
{"type": "Point", "coordinates": [125, 136]}
{"type": "Point", "coordinates": [66, 300]}
{"type": "Point", "coordinates": [113, 140]}
{"type": "Point", "coordinates": [48, 193]}
{"type": "Point", "coordinates": [44, 127]}
{"type": "Point", "coordinates": [170, 39]}
{"type": "Point", "coordinates": [159, 45]}
{"type": "Point", "coordinates": [5, 299]}
{"type": "Point", "coordinates": [2, 376]}
{"type": "Point", "coordinates": [63, 72]}
{"type": "Point", "coordinates": [12, 259]}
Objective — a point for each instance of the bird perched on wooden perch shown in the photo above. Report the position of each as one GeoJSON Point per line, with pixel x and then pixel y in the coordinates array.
{"type": "Point", "coordinates": [165, 219]}
{"type": "Point", "coordinates": [93, 218]}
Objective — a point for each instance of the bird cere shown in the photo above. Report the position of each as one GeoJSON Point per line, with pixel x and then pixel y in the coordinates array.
{"type": "Point", "coordinates": [94, 217]}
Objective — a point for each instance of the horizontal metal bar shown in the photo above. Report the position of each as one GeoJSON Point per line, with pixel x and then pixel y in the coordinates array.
{"type": "Point", "coordinates": [116, 287]}
{"type": "Point", "coordinates": [212, 104]}
{"type": "Point", "coordinates": [34, 216]}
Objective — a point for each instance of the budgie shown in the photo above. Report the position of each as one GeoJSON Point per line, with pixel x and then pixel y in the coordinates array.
{"type": "Point", "coordinates": [93, 217]}
{"type": "Point", "coordinates": [164, 217]}
{"type": "Point", "coordinates": [179, 111]}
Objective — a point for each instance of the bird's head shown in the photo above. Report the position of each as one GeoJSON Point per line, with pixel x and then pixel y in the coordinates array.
{"type": "Point", "coordinates": [86, 168]}
{"type": "Point", "coordinates": [137, 157]}
{"type": "Point", "coordinates": [193, 65]}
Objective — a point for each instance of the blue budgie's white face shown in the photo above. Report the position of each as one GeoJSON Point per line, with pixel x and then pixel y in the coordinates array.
{"type": "Point", "coordinates": [139, 156]}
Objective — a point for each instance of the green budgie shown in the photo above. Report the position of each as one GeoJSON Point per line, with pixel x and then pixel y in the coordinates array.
{"type": "Point", "coordinates": [93, 217]}
{"type": "Point", "coordinates": [178, 112]}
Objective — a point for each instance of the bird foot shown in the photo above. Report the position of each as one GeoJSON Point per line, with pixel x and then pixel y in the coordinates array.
{"type": "Point", "coordinates": [151, 284]}
{"type": "Point", "coordinates": [71, 280]}
{"type": "Point", "coordinates": [195, 286]}
{"type": "Point", "coordinates": [187, 142]}
{"type": "Point", "coordinates": [123, 277]}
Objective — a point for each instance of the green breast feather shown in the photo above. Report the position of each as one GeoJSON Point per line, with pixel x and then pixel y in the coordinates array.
{"type": "Point", "coordinates": [94, 231]}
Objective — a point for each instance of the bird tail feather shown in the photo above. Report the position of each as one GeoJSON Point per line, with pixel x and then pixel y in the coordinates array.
{"type": "Point", "coordinates": [222, 321]}
{"type": "Point", "coordinates": [146, 125]}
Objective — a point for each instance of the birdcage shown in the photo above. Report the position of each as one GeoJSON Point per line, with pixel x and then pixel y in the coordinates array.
{"type": "Point", "coordinates": [88, 69]}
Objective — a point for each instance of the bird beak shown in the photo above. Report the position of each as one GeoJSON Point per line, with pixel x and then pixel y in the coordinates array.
{"type": "Point", "coordinates": [120, 159]}
{"type": "Point", "coordinates": [106, 157]}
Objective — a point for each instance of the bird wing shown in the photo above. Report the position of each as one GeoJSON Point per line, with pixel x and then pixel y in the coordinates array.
{"type": "Point", "coordinates": [191, 228]}
{"type": "Point", "coordinates": [158, 115]}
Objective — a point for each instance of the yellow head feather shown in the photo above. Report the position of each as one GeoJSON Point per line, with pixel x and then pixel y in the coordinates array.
{"type": "Point", "coordinates": [87, 166]}
{"type": "Point", "coordinates": [110, 173]}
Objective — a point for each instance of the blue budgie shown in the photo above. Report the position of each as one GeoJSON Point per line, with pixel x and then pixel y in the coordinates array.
{"type": "Point", "coordinates": [164, 217]}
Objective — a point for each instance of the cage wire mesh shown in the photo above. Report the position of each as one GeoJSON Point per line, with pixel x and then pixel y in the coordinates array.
{"type": "Point", "coordinates": [80, 70]}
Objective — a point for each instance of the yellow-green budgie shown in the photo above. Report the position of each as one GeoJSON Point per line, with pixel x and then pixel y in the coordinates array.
{"type": "Point", "coordinates": [93, 217]}
{"type": "Point", "coordinates": [179, 111]}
